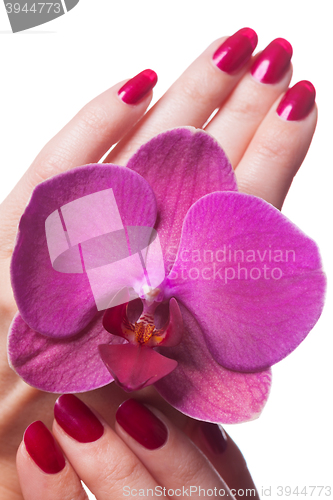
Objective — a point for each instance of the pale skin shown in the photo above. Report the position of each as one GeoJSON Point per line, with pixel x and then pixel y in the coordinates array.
{"type": "Point", "coordinates": [266, 151]}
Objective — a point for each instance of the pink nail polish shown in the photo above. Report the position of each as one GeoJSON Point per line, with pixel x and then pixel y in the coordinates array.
{"type": "Point", "coordinates": [77, 420]}
{"type": "Point", "coordinates": [236, 50]}
{"type": "Point", "coordinates": [215, 437]}
{"type": "Point", "coordinates": [141, 424]}
{"type": "Point", "coordinates": [138, 87]}
{"type": "Point", "coordinates": [43, 449]}
{"type": "Point", "coordinates": [297, 102]}
{"type": "Point", "coordinates": [272, 64]}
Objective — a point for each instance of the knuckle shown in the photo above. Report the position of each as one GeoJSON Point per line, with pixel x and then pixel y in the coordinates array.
{"type": "Point", "coordinates": [126, 470]}
{"type": "Point", "coordinates": [195, 92]}
{"type": "Point", "coordinates": [50, 164]}
{"type": "Point", "coordinates": [71, 489]}
{"type": "Point", "coordinates": [247, 107]}
{"type": "Point", "coordinates": [190, 471]}
{"type": "Point", "coordinates": [276, 147]}
{"type": "Point", "coordinates": [129, 470]}
{"type": "Point", "coordinates": [93, 117]}
{"type": "Point", "coordinates": [268, 150]}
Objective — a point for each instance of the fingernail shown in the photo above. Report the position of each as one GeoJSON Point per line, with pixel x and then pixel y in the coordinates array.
{"type": "Point", "coordinates": [272, 64]}
{"type": "Point", "coordinates": [43, 449]}
{"type": "Point", "coordinates": [236, 50]}
{"type": "Point", "coordinates": [215, 437]}
{"type": "Point", "coordinates": [297, 102]}
{"type": "Point", "coordinates": [141, 424]}
{"type": "Point", "coordinates": [77, 420]}
{"type": "Point", "coordinates": [138, 87]}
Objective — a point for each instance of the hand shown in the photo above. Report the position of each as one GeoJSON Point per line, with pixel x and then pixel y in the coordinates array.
{"type": "Point", "coordinates": [146, 452]}
{"type": "Point", "coordinates": [266, 150]}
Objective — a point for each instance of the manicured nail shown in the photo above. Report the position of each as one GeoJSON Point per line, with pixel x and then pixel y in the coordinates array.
{"type": "Point", "coordinates": [77, 420]}
{"type": "Point", "coordinates": [141, 424]}
{"type": "Point", "coordinates": [215, 437]}
{"type": "Point", "coordinates": [236, 50]}
{"type": "Point", "coordinates": [297, 102]}
{"type": "Point", "coordinates": [273, 63]}
{"type": "Point", "coordinates": [43, 449]}
{"type": "Point", "coordinates": [138, 87]}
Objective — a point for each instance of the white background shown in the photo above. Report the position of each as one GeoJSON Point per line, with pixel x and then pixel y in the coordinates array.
{"type": "Point", "coordinates": [49, 72]}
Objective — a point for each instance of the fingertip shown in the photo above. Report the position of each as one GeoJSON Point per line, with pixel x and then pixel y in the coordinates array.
{"type": "Point", "coordinates": [236, 51]}
{"type": "Point", "coordinates": [77, 420]}
{"type": "Point", "coordinates": [141, 424]}
{"type": "Point", "coordinates": [138, 87]}
{"type": "Point", "coordinates": [273, 63]}
{"type": "Point", "coordinates": [251, 35]}
{"type": "Point", "coordinates": [298, 102]}
{"type": "Point", "coordinates": [21, 455]}
{"type": "Point", "coordinates": [214, 436]}
{"type": "Point", "coordinates": [43, 448]}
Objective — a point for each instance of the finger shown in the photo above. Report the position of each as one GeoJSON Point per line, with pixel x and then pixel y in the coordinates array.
{"type": "Point", "coordinates": [235, 124]}
{"type": "Point", "coordinates": [100, 457]}
{"type": "Point", "coordinates": [202, 88]}
{"type": "Point", "coordinates": [225, 456]}
{"type": "Point", "coordinates": [178, 465]}
{"type": "Point", "coordinates": [44, 473]}
{"type": "Point", "coordinates": [279, 146]}
{"type": "Point", "coordinates": [85, 139]}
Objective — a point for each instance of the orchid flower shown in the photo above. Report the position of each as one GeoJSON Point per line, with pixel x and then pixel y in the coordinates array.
{"type": "Point", "coordinates": [224, 287]}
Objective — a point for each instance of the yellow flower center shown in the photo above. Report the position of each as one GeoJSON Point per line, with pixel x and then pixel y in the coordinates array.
{"type": "Point", "coordinates": [143, 332]}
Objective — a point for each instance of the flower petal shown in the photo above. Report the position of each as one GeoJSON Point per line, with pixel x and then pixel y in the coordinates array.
{"type": "Point", "coordinates": [171, 333]}
{"type": "Point", "coordinates": [181, 165]}
{"type": "Point", "coordinates": [134, 366]}
{"type": "Point", "coordinates": [258, 288]}
{"type": "Point", "coordinates": [115, 316]}
{"type": "Point", "coordinates": [59, 365]}
{"type": "Point", "coordinates": [60, 304]}
{"type": "Point", "coordinates": [203, 389]}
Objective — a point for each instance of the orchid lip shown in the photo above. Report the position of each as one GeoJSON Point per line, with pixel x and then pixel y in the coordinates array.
{"type": "Point", "coordinates": [136, 364]}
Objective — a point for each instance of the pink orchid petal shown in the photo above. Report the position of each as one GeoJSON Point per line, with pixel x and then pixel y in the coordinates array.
{"type": "Point", "coordinates": [59, 365]}
{"type": "Point", "coordinates": [171, 333]}
{"type": "Point", "coordinates": [250, 319]}
{"type": "Point", "coordinates": [61, 304]}
{"type": "Point", "coordinates": [134, 366]}
{"type": "Point", "coordinates": [115, 317]}
{"type": "Point", "coordinates": [203, 389]}
{"type": "Point", "coordinates": [181, 165]}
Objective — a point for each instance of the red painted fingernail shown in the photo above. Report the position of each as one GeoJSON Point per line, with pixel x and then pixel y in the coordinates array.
{"type": "Point", "coordinates": [141, 424]}
{"type": "Point", "coordinates": [215, 437]}
{"type": "Point", "coordinates": [272, 64]}
{"type": "Point", "coordinates": [138, 87]}
{"type": "Point", "coordinates": [77, 420]}
{"type": "Point", "coordinates": [236, 50]}
{"type": "Point", "coordinates": [297, 102]}
{"type": "Point", "coordinates": [43, 448]}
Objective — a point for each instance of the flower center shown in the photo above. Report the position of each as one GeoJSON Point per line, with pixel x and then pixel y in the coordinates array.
{"type": "Point", "coordinates": [143, 332]}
